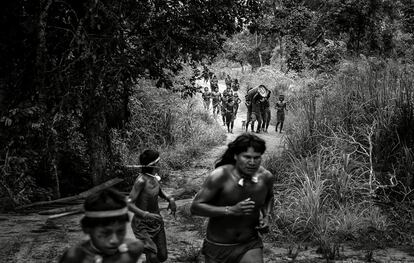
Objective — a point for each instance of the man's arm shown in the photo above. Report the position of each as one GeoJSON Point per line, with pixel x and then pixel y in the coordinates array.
{"type": "Point", "coordinates": [170, 200]}
{"type": "Point", "coordinates": [200, 205]}
{"type": "Point", "coordinates": [133, 195]}
{"type": "Point", "coordinates": [267, 210]}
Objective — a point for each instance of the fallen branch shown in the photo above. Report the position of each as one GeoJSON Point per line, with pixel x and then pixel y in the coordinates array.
{"type": "Point", "coordinates": [60, 210]}
{"type": "Point", "coordinates": [69, 199]}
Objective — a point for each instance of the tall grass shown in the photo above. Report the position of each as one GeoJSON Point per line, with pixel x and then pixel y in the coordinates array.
{"type": "Point", "coordinates": [350, 146]}
{"type": "Point", "coordinates": [180, 129]}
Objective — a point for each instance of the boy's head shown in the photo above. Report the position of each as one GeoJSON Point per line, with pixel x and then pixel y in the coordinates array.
{"type": "Point", "coordinates": [106, 215]}
{"type": "Point", "coordinates": [149, 160]}
{"type": "Point", "coordinates": [281, 97]}
{"type": "Point", "coordinates": [205, 89]}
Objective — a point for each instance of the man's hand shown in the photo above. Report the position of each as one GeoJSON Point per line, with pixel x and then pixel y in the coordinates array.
{"type": "Point", "coordinates": [264, 224]}
{"type": "Point", "coordinates": [153, 216]}
{"type": "Point", "coordinates": [172, 206]}
{"type": "Point", "coordinates": [242, 208]}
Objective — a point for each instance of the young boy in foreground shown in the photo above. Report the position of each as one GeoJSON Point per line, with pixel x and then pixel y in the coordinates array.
{"type": "Point", "coordinates": [105, 219]}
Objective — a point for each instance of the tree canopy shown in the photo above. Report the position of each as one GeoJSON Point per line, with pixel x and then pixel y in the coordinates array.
{"type": "Point", "coordinates": [68, 71]}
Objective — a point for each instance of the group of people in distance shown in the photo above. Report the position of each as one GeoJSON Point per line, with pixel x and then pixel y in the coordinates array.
{"type": "Point", "coordinates": [237, 197]}
{"type": "Point", "coordinates": [227, 102]}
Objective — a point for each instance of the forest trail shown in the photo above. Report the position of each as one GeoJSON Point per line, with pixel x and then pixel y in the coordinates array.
{"type": "Point", "coordinates": [33, 238]}
{"type": "Point", "coordinates": [185, 233]}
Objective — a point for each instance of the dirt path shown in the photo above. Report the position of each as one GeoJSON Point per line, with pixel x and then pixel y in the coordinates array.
{"type": "Point", "coordinates": [30, 238]}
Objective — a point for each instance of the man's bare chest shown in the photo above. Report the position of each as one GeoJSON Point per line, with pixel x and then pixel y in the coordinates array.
{"type": "Point", "coordinates": [233, 193]}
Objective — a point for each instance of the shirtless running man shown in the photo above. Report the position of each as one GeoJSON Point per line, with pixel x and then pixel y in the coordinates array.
{"type": "Point", "coordinates": [147, 223]}
{"type": "Point", "coordinates": [238, 199]}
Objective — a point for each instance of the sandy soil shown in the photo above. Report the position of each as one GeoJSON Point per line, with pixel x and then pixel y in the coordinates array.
{"type": "Point", "coordinates": [33, 238]}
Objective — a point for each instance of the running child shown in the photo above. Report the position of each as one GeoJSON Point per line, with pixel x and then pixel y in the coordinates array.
{"type": "Point", "coordinates": [147, 223]}
{"type": "Point", "coordinates": [104, 221]}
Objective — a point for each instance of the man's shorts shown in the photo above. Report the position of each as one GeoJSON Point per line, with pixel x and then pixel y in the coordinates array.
{"type": "Point", "coordinates": [229, 253]}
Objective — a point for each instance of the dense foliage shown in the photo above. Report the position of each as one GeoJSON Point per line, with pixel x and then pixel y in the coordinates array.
{"type": "Point", "coordinates": [318, 34]}
{"type": "Point", "coordinates": [67, 76]}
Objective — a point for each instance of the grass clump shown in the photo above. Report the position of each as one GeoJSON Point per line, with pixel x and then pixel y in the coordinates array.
{"type": "Point", "coordinates": [349, 154]}
{"type": "Point", "coordinates": [179, 128]}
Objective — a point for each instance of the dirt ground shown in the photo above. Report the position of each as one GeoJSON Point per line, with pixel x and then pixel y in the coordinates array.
{"type": "Point", "coordinates": [33, 238]}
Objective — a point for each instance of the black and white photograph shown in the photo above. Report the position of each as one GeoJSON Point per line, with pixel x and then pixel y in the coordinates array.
{"type": "Point", "coordinates": [207, 131]}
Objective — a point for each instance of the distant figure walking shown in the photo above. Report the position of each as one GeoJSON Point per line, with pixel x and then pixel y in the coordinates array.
{"type": "Point", "coordinates": [235, 86]}
{"type": "Point", "coordinates": [206, 73]}
{"type": "Point", "coordinates": [214, 82]}
{"type": "Point", "coordinates": [215, 100]}
{"type": "Point", "coordinates": [238, 199]}
{"type": "Point", "coordinates": [147, 223]}
{"type": "Point", "coordinates": [228, 81]}
{"type": "Point", "coordinates": [280, 112]}
{"type": "Point", "coordinates": [230, 111]}
{"type": "Point", "coordinates": [237, 102]}
{"type": "Point", "coordinates": [206, 98]}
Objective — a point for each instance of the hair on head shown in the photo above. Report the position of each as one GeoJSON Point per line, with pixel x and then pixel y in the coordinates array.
{"type": "Point", "coordinates": [105, 200]}
{"type": "Point", "coordinates": [146, 158]}
{"type": "Point", "coordinates": [239, 145]}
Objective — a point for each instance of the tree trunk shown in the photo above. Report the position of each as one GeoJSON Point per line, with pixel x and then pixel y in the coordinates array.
{"type": "Point", "coordinates": [281, 52]}
{"type": "Point", "coordinates": [98, 142]}
{"type": "Point", "coordinates": [260, 58]}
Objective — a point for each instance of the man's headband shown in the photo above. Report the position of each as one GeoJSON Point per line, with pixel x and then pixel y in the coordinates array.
{"type": "Point", "coordinates": [151, 164]}
{"type": "Point", "coordinates": [109, 213]}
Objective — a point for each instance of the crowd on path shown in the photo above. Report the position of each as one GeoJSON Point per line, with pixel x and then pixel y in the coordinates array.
{"type": "Point", "coordinates": [227, 103]}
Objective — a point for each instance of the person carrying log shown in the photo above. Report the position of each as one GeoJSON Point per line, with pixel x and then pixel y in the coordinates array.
{"type": "Point", "coordinates": [104, 221]}
{"type": "Point", "coordinates": [147, 223]}
{"type": "Point", "coordinates": [237, 197]}
{"type": "Point", "coordinates": [255, 97]}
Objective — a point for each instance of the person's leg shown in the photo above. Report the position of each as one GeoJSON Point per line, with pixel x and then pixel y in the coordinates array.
{"type": "Point", "coordinates": [253, 120]}
{"type": "Point", "coordinates": [227, 121]}
{"type": "Point", "coordinates": [268, 119]}
{"type": "Point", "coordinates": [263, 117]}
{"type": "Point", "coordinates": [253, 256]}
{"type": "Point", "coordinates": [281, 126]}
{"type": "Point", "coordinates": [160, 241]}
{"type": "Point", "coordinates": [259, 122]}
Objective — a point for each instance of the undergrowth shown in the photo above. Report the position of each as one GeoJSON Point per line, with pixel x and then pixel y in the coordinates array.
{"type": "Point", "coordinates": [178, 128]}
{"type": "Point", "coordinates": [347, 171]}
